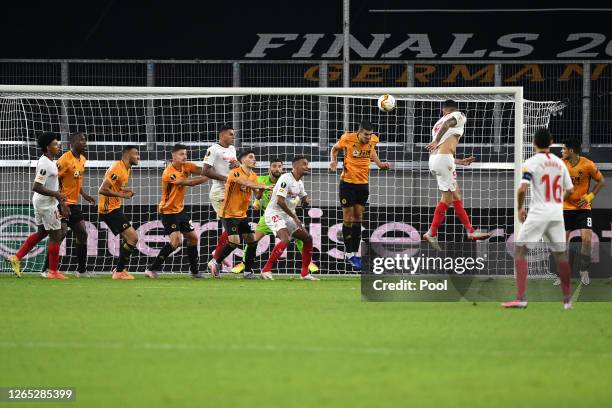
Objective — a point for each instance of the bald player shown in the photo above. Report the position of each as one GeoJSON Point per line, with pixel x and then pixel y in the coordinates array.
{"type": "Point", "coordinates": [175, 219]}
{"type": "Point", "coordinates": [577, 205]}
{"type": "Point", "coordinates": [359, 150]}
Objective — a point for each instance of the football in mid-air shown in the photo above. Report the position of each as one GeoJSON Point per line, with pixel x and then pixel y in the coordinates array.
{"type": "Point", "coordinates": [386, 103]}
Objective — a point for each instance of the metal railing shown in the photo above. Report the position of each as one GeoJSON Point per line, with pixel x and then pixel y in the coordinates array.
{"type": "Point", "coordinates": [585, 85]}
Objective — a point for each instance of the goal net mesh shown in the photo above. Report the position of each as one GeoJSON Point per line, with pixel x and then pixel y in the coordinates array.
{"type": "Point", "coordinates": [401, 200]}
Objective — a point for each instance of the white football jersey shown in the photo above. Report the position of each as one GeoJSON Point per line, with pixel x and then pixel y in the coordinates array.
{"type": "Point", "coordinates": [549, 179]}
{"type": "Point", "coordinates": [219, 158]}
{"type": "Point", "coordinates": [286, 186]}
{"type": "Point", "coordinates": [458, 129]}
{"type": "Point", "coordinates": [46, 174]}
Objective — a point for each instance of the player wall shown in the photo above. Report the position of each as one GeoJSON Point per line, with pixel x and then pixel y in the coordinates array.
{"type": "Point", "coordinates": [386, 230]}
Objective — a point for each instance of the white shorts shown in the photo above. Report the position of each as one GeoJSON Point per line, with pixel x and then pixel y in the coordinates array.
{"type": "Point", "coordinates": [277, 222]}
{"type": "Point", "coordinates": [533, 230]}
{"type": "Point", "coordinates": [48, 217]}
{"type": "Point", "coordinates": [216, 200]}
{"type": "Point", "coordinates": [443, 167]}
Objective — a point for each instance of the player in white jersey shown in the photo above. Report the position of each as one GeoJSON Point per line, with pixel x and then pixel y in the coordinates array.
{"type": "Point", "coordinates": [446, 134]}
{"type": "Point", "coordinates": [550, 184]}
{"type": "Point", "coordinates": [281, 218]}
{"type": "Point", "coordinates": [45, 200]}
{"type": "Point", "coordinates": [219, 159]}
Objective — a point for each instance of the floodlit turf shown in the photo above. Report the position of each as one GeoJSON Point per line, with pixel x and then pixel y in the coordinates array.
{"type": "Point", "coordinates": [236, 343]}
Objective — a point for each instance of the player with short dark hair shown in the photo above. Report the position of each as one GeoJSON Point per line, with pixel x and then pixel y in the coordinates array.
{"type": "Point", "coordinates": [577, 206]}
{"type": "Point", "coordinates": [239, 187]}
{"type": "Point", "coordinates": [261, 202]}
{"type": "Point", "coordinates": [114, 188]}
{"type": "Point", "coordinates": [442, 163]}
{"type": "Point", "coordinates": [174, 217]}
{"type": "Point", "coordinates": [359, 150]}
{"type": "Point", "coordinates": [48, 202]}
{"type": "Point", "coordinates": [71, 170]}
{"type": "Point", "coordinates": [219, 159]}
{"type": "Point", "coordinates": [550, 182]}
{"type": "Point", "coordinates": [280, 216]}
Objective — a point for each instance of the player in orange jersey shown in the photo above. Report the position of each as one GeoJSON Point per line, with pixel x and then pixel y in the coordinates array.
{"type": "Point", "coordinates": [239, 187]}
{"type": "Point", "coordinates": [577, 206]}
{"type": "Point", "coordinates": [359, 150]}
{"type": "Point", "coordinates": [174, 217]}
{"type": "Point", "coordinates": [71, 170]}
{"type": "Point", "coordinates": [114, 188]}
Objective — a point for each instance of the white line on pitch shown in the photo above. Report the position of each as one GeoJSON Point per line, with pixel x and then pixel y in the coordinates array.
{"type": "Point", "coordinates": [299, 349]}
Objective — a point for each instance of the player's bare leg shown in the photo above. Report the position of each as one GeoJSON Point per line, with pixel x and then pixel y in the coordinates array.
{"type": "Point", "coordinates": [127, 244]}
{"type": "Point", "coordinates": [585, 255]}
{"type": "Point", "coordinates": [26, 247]}
{"type": "Point", "coordinates": [521, 269]}
{"type": "Point", "coordinates": [586, 236]}
{"type": "Point", "coordinates": [277, 252]}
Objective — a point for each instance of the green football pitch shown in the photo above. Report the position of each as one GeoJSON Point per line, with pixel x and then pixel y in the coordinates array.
{"type": "Point", "coordinates": [237, 343]}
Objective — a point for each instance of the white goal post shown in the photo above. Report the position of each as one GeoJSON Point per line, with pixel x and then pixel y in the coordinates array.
{"type": "Point", "coordinates": [275, 122]}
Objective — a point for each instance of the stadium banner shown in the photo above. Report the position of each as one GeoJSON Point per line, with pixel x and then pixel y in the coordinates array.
{"type": "Point", "coordinates": [379, 30]}
{"type": "Point", "coordinates": [388, 231]}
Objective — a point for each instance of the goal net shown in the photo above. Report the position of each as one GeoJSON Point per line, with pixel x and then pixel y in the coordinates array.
{"type": "Point", "coordinates": [275, 123]}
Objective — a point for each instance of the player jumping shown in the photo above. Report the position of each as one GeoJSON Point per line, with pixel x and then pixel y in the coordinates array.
{"type": "Point", "coordinates": [174, 217]}
{"type": "Point", "coordinates": [239, 188]}
{"type": "Point", "coordinates": [577, 206]}
{"type": "Point", "coordinates": [550, 184]}
{"type": "Point", "coordinates": [281, 218]}
{"type": "Point", "coordinates": [113, 189]}
{"type": "Point", "coordinates": [71, 170]}
{"type": "Point", "coordinates": [446, 134]}
{"type": "Point", "coordinates": [262, 229]}
{"type": "Point", "coordinates": [359, 150]}
{"type": "Point", "coordinates": [47, 196]}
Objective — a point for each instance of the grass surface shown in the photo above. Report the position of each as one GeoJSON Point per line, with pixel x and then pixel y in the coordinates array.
{"type": "Point", "coordinates": [179, 342]}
